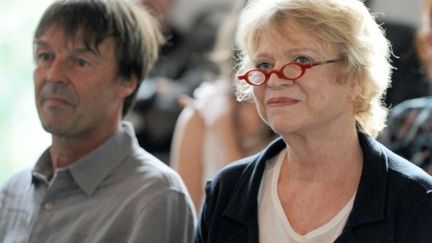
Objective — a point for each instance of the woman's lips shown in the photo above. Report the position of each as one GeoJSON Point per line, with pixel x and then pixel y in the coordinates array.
{"type": "Point", "coordinates": [281, 101]}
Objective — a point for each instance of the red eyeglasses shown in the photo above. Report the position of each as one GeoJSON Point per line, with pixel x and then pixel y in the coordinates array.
{"type": "Point", "coordinates": [289, 71]}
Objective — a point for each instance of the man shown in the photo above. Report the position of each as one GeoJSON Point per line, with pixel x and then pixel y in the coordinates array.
{"type": "Point", "coordinates": [94, 183]}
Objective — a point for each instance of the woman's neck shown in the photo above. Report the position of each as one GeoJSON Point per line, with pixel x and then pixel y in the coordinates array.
{"type": "Point", "coordinates": [318, 157]}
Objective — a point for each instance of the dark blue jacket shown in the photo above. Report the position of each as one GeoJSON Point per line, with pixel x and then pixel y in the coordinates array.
{"type": "Point", "coordinates": [393, 201]}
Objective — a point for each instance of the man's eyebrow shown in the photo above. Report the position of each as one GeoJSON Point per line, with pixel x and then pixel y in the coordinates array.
{"type": "Point", "coordinates": [79, 50]}
{"type": "Point", "coordinates": [40, 43]}
{"type": "Point", "coordinates": [83, 50]}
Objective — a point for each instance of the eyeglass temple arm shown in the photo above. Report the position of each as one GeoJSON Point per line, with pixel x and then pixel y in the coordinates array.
{"type": "Point", "coordinates": [325, 62]}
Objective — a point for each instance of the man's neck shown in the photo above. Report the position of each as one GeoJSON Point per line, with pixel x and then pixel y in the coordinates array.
{"type": "Point", "coordinates": [66, 151]}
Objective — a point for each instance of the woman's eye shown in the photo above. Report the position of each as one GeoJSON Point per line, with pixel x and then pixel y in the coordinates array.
{"type": "Point", "coordinates": [264, 66]}
{"type": "Point", "coordinates": [303, 59]}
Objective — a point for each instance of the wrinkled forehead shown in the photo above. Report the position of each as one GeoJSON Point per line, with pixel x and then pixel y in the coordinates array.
{"type": "Point", "coordinates": [87, 22]}
{"type": "Point", "coordinates": [70, 39]}
{"type": "Point", "coordinates": [286, 31]}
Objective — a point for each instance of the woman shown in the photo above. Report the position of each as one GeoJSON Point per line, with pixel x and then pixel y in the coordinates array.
{"type": "Point", "coordinates": [214, 129]}
{"type": "Point", "coordinates": [409, 131]}
{"type": "Point", "coordinates": [316, 70]}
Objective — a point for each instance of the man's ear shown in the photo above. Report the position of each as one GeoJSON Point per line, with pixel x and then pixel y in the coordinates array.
{"type": "Point", "coordinates": [128, 85]}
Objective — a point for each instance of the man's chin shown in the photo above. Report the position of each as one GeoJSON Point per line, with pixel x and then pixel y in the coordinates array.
{"type": "Point", "coordinates": [56, 128]}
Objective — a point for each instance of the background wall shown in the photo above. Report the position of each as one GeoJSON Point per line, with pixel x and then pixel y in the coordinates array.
{"type": "Point", "coordinates": [400, 10]}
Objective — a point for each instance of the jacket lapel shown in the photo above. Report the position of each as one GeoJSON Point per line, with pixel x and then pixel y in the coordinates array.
{"type": "Point", "coordinates": [243, 204]}
{"type": "Point", "coordinates": [369, 204]}
{"type": "Point", "coordinates": [347, 235]}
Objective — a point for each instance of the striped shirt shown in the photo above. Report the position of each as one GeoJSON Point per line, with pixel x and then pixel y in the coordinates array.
{"type": "Point", "coordinates": [409, 131]}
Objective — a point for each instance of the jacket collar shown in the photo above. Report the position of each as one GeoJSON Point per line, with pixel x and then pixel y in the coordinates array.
{"type": "Point", "coordinates": [369, 204]}
{"type": "Point", "coordinates": [243, 204]}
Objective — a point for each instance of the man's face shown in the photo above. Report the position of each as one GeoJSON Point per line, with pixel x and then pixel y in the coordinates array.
{"type": "Point", "coordinates": [78, 92]}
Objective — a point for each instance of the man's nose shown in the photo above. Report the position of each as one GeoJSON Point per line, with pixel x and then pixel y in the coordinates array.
{"type": "Point", "coordinates": [57, 71]}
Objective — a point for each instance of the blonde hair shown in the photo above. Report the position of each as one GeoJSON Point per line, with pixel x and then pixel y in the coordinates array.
{"type": "Point", "coordinates": [347, 25]}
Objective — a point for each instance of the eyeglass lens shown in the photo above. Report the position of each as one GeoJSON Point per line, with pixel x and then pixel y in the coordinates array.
{"type": "Point", "coordinates": [256, 77]}
{"type": "Point", "coordinates": [290, 71]}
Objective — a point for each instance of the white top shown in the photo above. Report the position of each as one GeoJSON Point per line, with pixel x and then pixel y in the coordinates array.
{"type": "Point", "coordinates": [212, 100]}
{"type": "Point", "coordinates": [274, 226]}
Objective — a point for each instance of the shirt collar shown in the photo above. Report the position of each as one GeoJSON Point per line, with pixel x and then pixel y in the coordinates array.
{"type": "Point", "coordinates": [89, 171]}
{"type": "Point", "coordinates": [43, 170]}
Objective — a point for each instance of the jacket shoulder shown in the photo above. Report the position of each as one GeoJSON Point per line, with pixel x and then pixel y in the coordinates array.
{"type": "Point", "coordinates": [407, 173]}
{"type": "Point", "coordinates": [229, 175]}
{"type": "Point", "coordinates": [248, 166]}
{"type": "Point", "coordinates": [410, 199]}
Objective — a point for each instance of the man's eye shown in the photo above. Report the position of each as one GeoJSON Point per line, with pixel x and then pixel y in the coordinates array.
{"type": "Point", "coordinates": [81, 62]}
{"type": "Point", "coordinates": [43, 57]}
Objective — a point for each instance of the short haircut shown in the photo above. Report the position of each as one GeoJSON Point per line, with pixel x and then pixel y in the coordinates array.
{"type": "Point", "coordinates": [136, 33]}
{"type": "Point", "coordinates": [344, 24]}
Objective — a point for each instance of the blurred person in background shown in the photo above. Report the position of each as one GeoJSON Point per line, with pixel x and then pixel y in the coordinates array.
{"type": "Point", "coordinates": [94, 183]}
{"type": "Point", "coordinates": [409, 131]}
{"type": "Point", "coordinates": [408, 78]}
{"type": "Point", "coordinates": [214, 129]}
{"type": "Point", "coordinates": [182, 65]}
{"type": "Point", "coordinates": [317, 71]}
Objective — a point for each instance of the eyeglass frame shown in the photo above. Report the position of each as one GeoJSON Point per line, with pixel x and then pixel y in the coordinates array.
{"type": "Point", "coordinates": [279, 73]}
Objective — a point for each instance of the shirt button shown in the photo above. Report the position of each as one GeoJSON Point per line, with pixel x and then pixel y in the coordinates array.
{"type": "Point", "coordinates": [48, 206]}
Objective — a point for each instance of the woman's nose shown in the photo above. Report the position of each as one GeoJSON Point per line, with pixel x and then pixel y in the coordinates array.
{"type": "Point", "coordinates": [276, 80]}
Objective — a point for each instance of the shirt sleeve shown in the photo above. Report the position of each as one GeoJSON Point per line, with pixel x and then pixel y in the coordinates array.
{"type": "Point", "coordinates": [169, 217]}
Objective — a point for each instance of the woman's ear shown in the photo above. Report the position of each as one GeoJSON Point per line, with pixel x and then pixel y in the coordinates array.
{"type": "Point", "coordinates": [355, 87]}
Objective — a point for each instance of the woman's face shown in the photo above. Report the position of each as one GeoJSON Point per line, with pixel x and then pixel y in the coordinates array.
{"type": "Point", "coordinates": [315, 100]}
